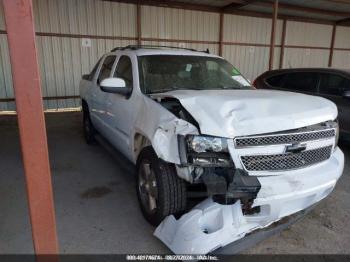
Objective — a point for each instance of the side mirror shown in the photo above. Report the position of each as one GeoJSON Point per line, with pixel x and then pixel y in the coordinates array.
{"type": "Point", "coordinates": [346, 94]}
{"type": "Point", "coordinates": [115, 85]}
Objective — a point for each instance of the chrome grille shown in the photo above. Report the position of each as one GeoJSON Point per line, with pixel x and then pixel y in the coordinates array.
{"type": "Point", "coordinates": [284, 138]}
{"type": "Point", "coordinates": [286, 161]}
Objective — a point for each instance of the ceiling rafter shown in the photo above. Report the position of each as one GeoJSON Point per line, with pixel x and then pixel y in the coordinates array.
{"type": "Point", "coordinates": [305, 9]}
{"type": "Point", "coordinates": [347, 2]}
{"type": "Point", "coordinates": [171, 4]}
{"type": "Point", "coordinates": [236, 5]}
{"type": "Point", "coordinates": [201, 7]}
{"type": "Point", "coordinates": [345, 21]}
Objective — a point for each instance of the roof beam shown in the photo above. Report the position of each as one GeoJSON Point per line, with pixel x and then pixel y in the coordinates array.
{"type": "Point", "coordinates": [171, 4]}
{"type": "Point", "coordinates": [339, 1]}
{"type": "Point", "coordinates": [304, 9]}
{"type": "Point", "coordinates": [237, 4]}
{"type": "Point", "coordinates": [344, 22]}
{"type": "Point", "coordinates": [214, 9]}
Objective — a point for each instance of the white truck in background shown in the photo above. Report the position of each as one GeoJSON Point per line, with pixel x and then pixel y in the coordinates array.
{"type": "Point", "coordinates": [188, 118]}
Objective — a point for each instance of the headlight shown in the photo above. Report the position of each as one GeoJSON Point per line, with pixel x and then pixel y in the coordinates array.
{"type": "Point", "coordinates": [201, 144]}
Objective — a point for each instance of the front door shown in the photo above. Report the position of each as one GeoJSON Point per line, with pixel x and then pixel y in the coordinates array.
{"type": "Point", "coordinates": [122, 110]}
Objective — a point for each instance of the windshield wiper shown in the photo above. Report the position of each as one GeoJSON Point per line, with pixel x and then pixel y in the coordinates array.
{"type": "Point", "coordinates": [174, 89]}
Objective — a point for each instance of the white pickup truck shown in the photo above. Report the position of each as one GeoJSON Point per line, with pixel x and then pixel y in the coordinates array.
{"type": "Point", "coordinates": [189, 118]}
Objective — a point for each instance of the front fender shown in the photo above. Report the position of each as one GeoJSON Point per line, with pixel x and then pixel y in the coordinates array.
{"type": "Point", "coordinates": [162, 128]}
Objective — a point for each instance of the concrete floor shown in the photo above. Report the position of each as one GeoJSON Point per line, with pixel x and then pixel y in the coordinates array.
{"type": "Point", "coordinates": [96, 205]}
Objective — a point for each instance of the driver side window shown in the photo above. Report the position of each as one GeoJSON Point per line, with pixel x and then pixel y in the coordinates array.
{"type": "Point", "coordinates": [106, 68]}
{"type": "Point", "coordinates": [124, 71]}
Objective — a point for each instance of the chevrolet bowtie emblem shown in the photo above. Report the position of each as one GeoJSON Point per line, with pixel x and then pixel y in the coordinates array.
{"type": "Point", "coordinates": [295, 148]}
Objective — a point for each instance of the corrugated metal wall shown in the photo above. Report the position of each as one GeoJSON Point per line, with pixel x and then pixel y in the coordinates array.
{"type": "Point", "coordinates": [341, 58]}
{"type": "Point", "coordinates": [246, 43]}
{"type": "Point", "coordinates": [307, 35]}
{"type": "Point", "coordinates": [159, 23]}
{"type": "Point", "coordinates": [62, 58]}
{"type": "Point", "coordinates": [62, 25]}
{"type": "Point", "coordinates": [170, 23]}
{"type": "Point", "coordinates": [6, 90]}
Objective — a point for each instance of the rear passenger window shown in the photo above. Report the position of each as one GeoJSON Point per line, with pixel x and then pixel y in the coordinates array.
{"type": "Point", "coordinates": [124, 70]}
{"type": "Point", "coordinates": [106, 68]}
{"type": "Point", "coordinates": [303, 82]}
{"type": "Point", "coordinates": [332, 84]}
{"type": "Point", "coordinates": [276, 81]}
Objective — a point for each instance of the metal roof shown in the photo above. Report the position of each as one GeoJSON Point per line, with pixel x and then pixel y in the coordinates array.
{"type": "Point", "coordinates": [318, 10]}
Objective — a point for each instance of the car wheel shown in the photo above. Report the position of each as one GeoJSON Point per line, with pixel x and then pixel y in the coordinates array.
{"type": "Point", "coordinates": [160, 191]}
{"type": "Point", "coordinates": [89, 130]}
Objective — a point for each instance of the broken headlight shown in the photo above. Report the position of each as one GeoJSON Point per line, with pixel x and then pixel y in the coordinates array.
{"type": "Point", "coordinates": [204, 151]}
{"type": "Point", "coordinates": [201, 144]}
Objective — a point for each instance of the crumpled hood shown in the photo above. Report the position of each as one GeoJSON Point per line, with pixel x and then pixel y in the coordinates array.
{"type": "Point", "coordinates": [230, 113]}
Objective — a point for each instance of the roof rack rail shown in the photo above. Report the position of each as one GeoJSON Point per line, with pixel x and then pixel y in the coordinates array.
{"type": "Point", "coordinates": [135, 47]}
{"type": "Point", "coordinates": [117, 48]}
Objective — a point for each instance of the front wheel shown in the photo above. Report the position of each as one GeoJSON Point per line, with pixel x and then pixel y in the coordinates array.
{"type": "Point", "coordinates": [160, 191]}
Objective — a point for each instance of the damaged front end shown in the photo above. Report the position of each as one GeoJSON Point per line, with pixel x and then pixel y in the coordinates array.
{"type": "Point", "coordinates": [224, 218]}
{"type": "Point", "coordinates": [217, 221]}
{"type": "Point", "coordinates": [241, 200]}
{"type": "Point", "coordinates": [251, 181]}
{"type": "Point", "coordinates": [210, 163]}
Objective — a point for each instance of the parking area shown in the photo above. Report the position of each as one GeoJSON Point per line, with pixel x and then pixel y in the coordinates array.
{"type": "Point", "coordinates": [97, 210]}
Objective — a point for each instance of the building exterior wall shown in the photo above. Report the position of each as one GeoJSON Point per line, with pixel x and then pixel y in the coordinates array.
{"type": "Point", "coordinates": [2, 19]}
{"type": "Point", "coordinates": [341, 56]}
{"type": "Point", "coordinates": [307, 45]}
{"type": "Point", "coordinates": [192, 29]}
{"type": "Point", "coordinates": [170, 23]}
{"type": "Point", "coordinates": [247, 43]}
{"type": "Point", "coordinates": [63, 25]}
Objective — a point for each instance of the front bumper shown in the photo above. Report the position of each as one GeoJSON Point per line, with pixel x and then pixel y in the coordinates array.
{"type": "Point", "coordinates": [209, 225]}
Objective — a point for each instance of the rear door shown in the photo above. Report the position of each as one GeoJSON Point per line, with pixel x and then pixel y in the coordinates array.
{"type": "Point", "coordinates": [332, 86]}
{"type": "Point", "coordinates": [98, 105]}
{"type": "Point", "coordinates": [301, 82]}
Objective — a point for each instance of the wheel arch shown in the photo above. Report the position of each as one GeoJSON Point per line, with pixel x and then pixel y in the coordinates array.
{"type": "Point", "coordinates": [140, 141]}
{"type": "Point", "coordinates": [84, 105]}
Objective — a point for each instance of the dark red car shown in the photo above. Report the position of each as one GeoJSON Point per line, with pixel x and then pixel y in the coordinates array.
{"type": "Point", "coordinates": [333, 84]}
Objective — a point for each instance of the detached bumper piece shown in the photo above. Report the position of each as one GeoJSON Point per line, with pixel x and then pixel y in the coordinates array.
{"type": "Point", "coordinates": [215, 222]}
{"type": "Point", "coordinates": [205, 228]}
{"type": "Point", "coordinates": [210, 226]}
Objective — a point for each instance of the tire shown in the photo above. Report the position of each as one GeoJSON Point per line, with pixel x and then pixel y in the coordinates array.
{"type": "Point", "coordinates": [164, 186]}
{"type": "Point", "coordinates": [89, 129]}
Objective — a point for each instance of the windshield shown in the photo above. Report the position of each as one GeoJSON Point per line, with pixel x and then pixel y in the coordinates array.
{"type": "Point", "coordinates": [163, 73]}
